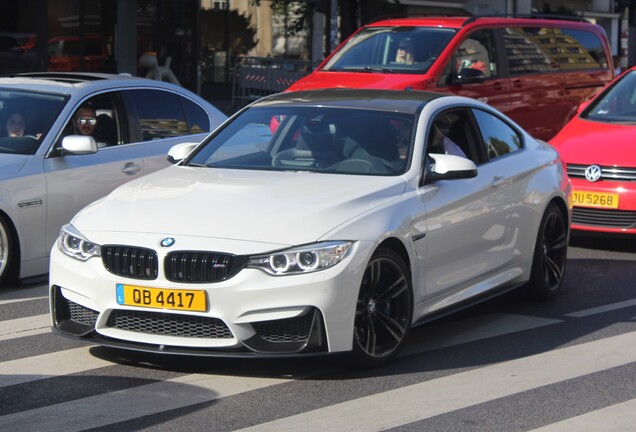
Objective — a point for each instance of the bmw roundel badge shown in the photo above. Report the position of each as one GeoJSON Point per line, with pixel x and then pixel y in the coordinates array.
{"type": "Point", "coordinates": [167, 242]}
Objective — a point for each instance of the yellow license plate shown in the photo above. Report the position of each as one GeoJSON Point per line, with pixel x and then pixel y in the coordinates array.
{"type": "Point", "coordinates": [595, 199]}
{"type": "Point", "coordinates": [159, 298]}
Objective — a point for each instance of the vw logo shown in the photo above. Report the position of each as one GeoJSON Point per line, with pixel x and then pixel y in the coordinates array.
{"type": "Point", "coordinates": [167, 242]}
{"type": "Point", "coordinates": [593, 173]}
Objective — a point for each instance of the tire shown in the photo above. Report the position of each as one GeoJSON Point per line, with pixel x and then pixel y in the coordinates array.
{"type": "Point", "coordinates": [550, 255]}
{"type": "Point", "coordinates": [6, 252]}
{"type": "Point", "coordinates": [384, 310]}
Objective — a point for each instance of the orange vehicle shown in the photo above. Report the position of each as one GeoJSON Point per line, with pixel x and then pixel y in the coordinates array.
{"type": "Point", "coordinates": [64, 54]}
{"type": "Point", "coordinates": [536, 70]}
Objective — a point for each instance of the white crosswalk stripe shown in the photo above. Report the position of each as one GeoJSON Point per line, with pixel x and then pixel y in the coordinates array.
{"type": "Point", "coordinates": [420, 401]}
{"type": "Point", "coordinates": [27, 326]}
{"type": "Point", "coordinates": [132, 403]}
{"type": "Point", "coordinates": [380, 410]}
{"type": "Point", "coordinates": [616, 418]}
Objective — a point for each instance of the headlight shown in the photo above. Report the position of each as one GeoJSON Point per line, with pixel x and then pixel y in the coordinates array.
{"type": "Point", "coordinates": [304, 259]}
{"type": "Point", "coordinates": [73, 244]}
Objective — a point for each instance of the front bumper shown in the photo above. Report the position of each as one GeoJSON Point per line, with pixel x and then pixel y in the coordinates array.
{"type": "Point", "coordinates": [621, 220]}
{"type": "Point", "coordinates": [252, 314]}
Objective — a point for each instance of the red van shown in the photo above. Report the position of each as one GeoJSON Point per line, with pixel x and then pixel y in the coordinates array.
{"type": "Point", "coordinates": [536, 70]}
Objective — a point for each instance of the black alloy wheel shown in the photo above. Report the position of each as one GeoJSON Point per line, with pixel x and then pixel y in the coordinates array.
{"type": "Point", "coordinates": [384, 310]}
{"type": "Point", "coordinates": [550, 255]}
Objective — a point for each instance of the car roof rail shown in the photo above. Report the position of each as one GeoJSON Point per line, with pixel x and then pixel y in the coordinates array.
{"type": "Point", "coordinates": [416, 15]}
{"type": "Point", "coordinates": [530, 16]}
{"type": "Point", "coordinates": [63, 76]}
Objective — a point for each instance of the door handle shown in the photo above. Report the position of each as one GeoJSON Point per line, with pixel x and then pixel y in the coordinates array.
{"type": "Point", "coordinates": [131, 168]}
{"type": "Point", "coordinates": [498, 181]}
{"type": "Point", "coordinates": [497, 86]}
{"type": "Point", "coordinates": [517, 83]}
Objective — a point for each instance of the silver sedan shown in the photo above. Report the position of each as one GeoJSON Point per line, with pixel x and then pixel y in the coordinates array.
{"type": "Point", "coordinates": [68, 139]}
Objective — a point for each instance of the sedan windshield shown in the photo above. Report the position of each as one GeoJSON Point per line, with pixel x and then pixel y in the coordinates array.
{"type": "Point", "coordinates": [25, 119]}
{"type": "Point", "coordinates": [406, 50]}
{"type": "Point", "coordinates": [617, 104]}
{"type": "Point", "coordinates": [332, 140]}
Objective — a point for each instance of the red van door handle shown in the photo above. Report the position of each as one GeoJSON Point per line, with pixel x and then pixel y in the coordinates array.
{"type": "Point", "coordinates": [517, 83]}
{"type": "Point", "coordinates": [497, 86]}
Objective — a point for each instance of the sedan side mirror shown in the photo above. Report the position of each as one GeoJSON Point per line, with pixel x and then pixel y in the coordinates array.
{"type": "Point", "coordinates": [180, 151]}
{"type": "Point", "coordinates": [448, 167]}
{"type": "Point", "coordinates": [79, 144]}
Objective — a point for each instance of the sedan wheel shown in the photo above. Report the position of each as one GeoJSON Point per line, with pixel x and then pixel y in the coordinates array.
{"type": "Point", "coordinates": [384, 310]}
{"type": "Point", "coordinates": [548, 266]}
{"type": "Point", "coordinates": [5, 250]}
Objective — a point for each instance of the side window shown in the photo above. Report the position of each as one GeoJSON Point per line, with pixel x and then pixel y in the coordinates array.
{"type": "Point", "coordinates": [452, 132]}
{"type": "Point", "coordinates": [580, 49]}
{"type": "Point", "coordinates": [198, 119]}
{"type": "Point", "coordinates": [478, 52]}
{"type": "Point", "coordinates": [160, 114]}
{"type": "Point", "coordinates": [530, 50]}
{"type": "Point", "coordinates": [101, 118]}
{"type": "Point", "coordinates": [498, 137]}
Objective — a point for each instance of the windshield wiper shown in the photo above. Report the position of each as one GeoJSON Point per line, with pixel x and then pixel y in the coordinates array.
{"type": "Point", "coordinates": [369, 69]}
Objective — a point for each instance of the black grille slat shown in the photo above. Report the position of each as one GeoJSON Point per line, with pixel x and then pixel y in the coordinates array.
{"type": "Point", "coordinates": [165, 324]}
{"type": "Point", "coordinates": [130, 262]}
{"type": "Point", "coordinates": [295, 329]}
{"type": "Point", "coordinates": [81, 314]}
{"type": "Point", "coordinates": [608, 173]}
{"type": "Point", "coordinates": [199, 267]}
{"type": "Point", "coordinates": [604, 218]}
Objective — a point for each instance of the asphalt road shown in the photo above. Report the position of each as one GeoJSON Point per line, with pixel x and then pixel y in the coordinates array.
{"type": "Point", "coordinates": [504, 365]}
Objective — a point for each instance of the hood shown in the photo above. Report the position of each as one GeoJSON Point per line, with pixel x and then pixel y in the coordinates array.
{"type": "Point", "coordinates": [282, 208]}
{"type": "Point", "coordinates": [590, 142]}
{"type": "Point", "coordinates": [11, 164]}
{"type": "Point", "coordinates": [320, 79]}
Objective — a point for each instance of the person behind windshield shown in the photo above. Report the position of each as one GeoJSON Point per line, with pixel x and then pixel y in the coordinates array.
{"type": "Point", "coordinates": [85, 120]}
{"type": "Point", "coordinates": [404, 53]}
{"type": "Point", "coordinates": [15, 125]}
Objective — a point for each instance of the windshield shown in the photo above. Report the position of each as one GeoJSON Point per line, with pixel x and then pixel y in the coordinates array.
{"type": "Point", "coordinates": [617, 104]}
{"type": "Point", "coordinates": [319, 139]}
{"type": "Point", "coordinates": [409, 50]}
{"type": "Point", "coordinates": [25, 119]}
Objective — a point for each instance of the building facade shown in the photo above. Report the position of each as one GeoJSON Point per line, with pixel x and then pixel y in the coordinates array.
{"type": "Point", "coordinates": [199, 39]}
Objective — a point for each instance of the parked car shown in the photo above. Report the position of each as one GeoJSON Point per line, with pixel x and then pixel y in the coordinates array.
{"type": "Point", "coordinates": [64, 53]}
{"type": "Point", "coordinates": [597, 146]}
{"type": "Point", "coordinates": [334, 229]}
{"type": "Point", "coordinates": [535, 70]}
{"type": "Point", "coordinates": [17, 53]}
{"type": "Point", "coordinates": [50, 173]}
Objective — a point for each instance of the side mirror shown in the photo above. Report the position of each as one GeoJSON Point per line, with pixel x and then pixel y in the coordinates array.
{"type": "Point", "coordinates": [469, 76]}
{"type": "Point", "coordinates": [79, 144]}
{"type": "Point", "coordinates": [448, 167]}
{"type": "Point", "coordinates": [180, 151]}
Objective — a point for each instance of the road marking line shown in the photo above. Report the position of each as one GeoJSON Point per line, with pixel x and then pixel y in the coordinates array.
{"type": "Point", "coordinates": [48, 365]}
{"type": "Point", "coordinates": [427, 399]}
{"type": "Point", "coordinates": [128, 404]}
{"type": "Point", "coordinates": [23, 294]}
{"type": "Point", "coordinates": [27, 326]}
{"type": "Point", "coordinates": [602, 309]}
{"type": "Point", "coordinates": [616, 418]}
{"type": "Point", "coordinates": [470, 330]}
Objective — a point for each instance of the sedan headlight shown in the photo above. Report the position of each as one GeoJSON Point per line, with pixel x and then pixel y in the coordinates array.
{"type": "Point", "coordinates": [304, 259]}
{"type": "Point", "coordinates": [73, 244]}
